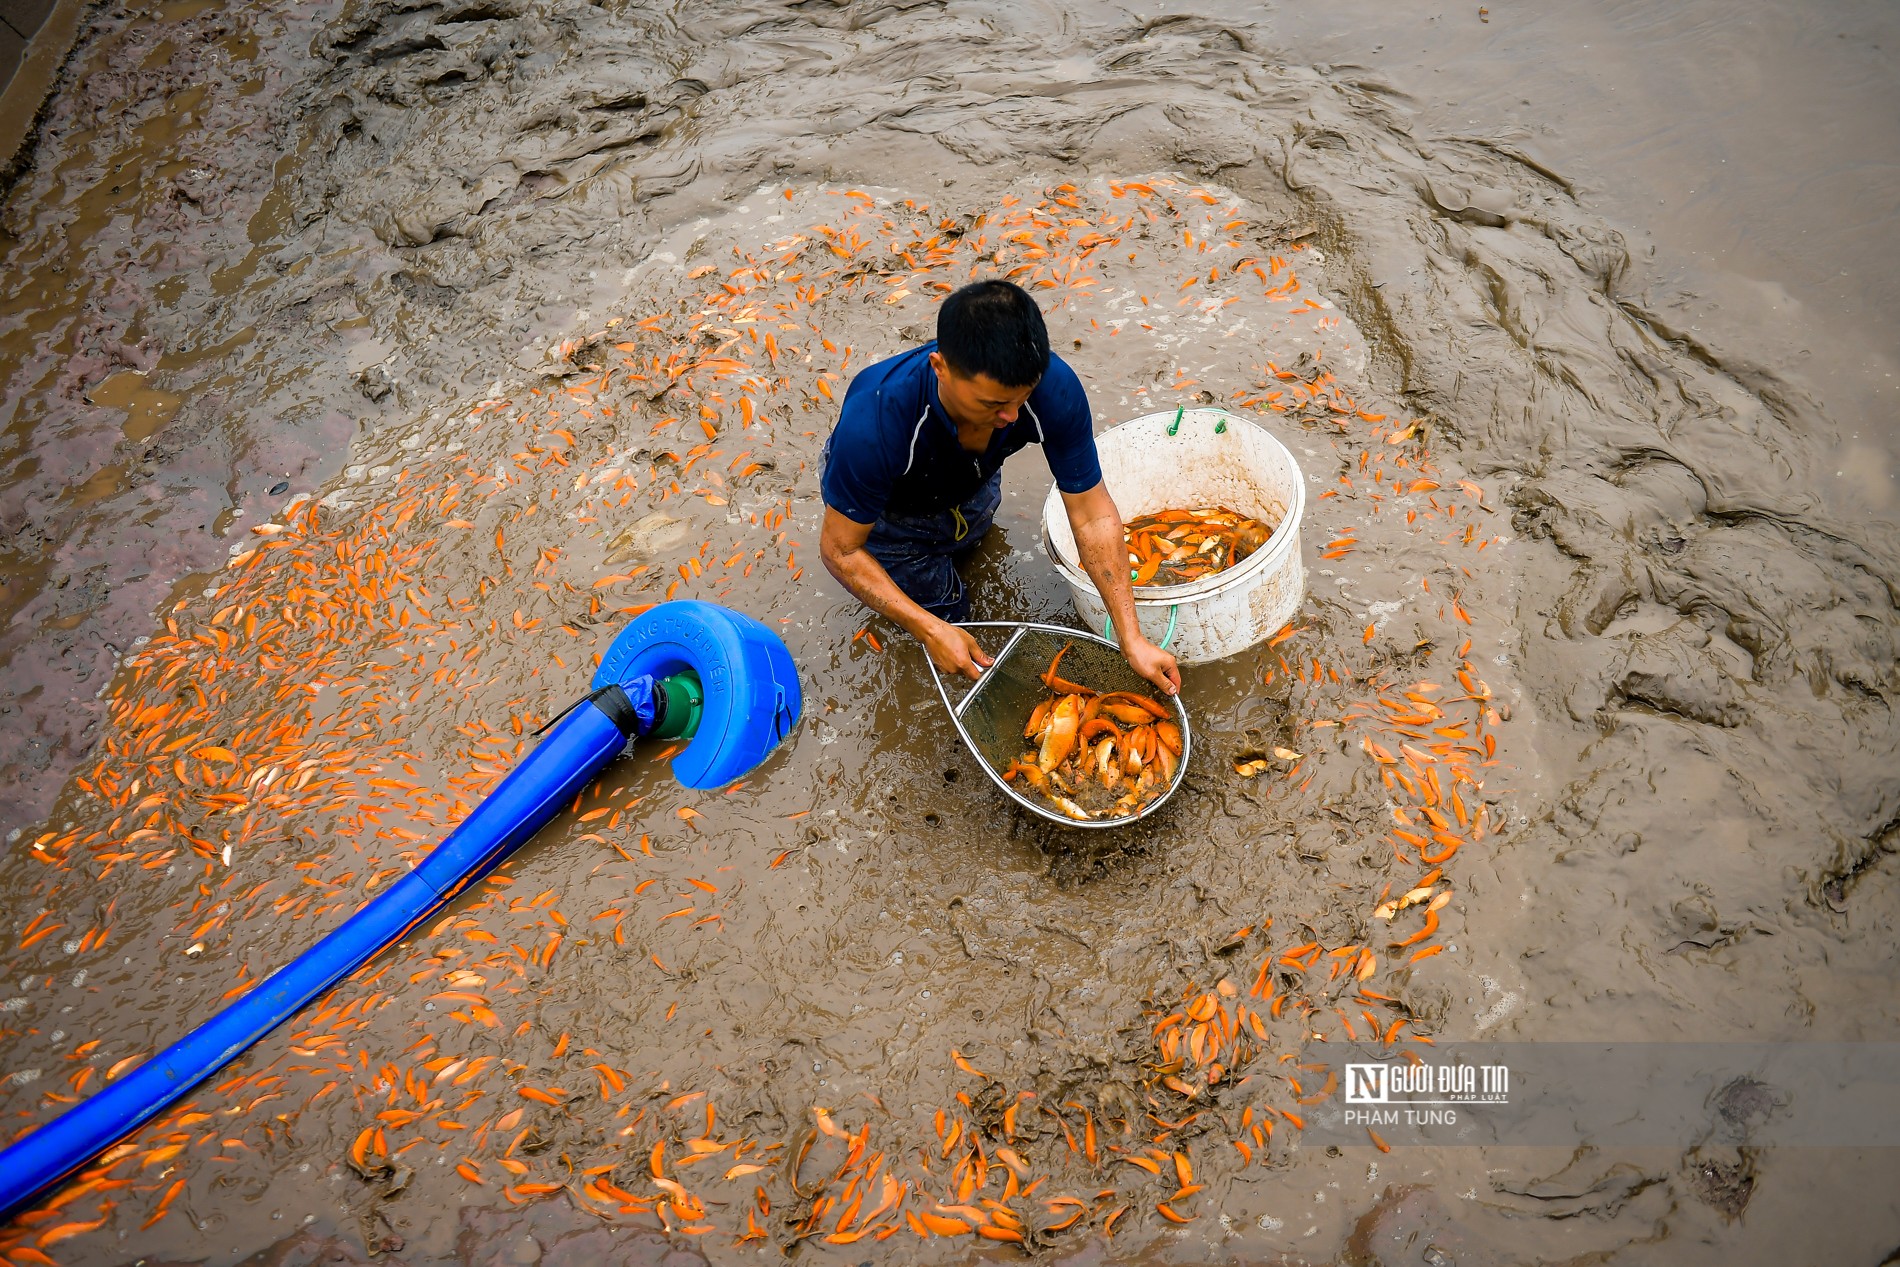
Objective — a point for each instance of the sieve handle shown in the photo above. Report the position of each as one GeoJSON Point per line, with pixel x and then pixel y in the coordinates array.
{"type": "Point", "coordinates": [957, 708]}
{"type": "Point", "coordinates": [1174, 613]}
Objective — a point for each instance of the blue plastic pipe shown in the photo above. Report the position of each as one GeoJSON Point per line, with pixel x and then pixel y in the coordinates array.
{"type": "Point", "coordinates": [576, 749]}
{"type": "Point", "coordinates": [744, 702]}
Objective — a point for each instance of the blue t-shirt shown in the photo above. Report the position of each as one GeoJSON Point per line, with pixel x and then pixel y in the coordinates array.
{"type": "Point", "coordinates": [895, 446]}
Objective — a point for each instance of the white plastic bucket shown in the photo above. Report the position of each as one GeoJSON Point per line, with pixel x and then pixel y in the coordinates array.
{"type": "Point", "coordinates": [1181, 459]}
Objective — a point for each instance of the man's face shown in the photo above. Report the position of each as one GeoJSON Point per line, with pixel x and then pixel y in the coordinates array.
{"type": "Point", "coordinates": [977, 399]}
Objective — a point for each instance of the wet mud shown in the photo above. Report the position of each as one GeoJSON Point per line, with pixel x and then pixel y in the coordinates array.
{"type": "Point", "coordinates": [498, 322]}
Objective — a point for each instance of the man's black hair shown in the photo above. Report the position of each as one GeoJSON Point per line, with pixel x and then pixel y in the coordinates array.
{"type": "Point", "coordinates": [994, 328]}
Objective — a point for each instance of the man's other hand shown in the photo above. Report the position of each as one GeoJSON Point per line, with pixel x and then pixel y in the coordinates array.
{"type": "Point", "coordinates": [1153, 663]}
{"type": "Point", "coordinates": [953, 650]}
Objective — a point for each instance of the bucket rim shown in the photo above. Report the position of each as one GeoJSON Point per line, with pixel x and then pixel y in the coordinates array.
{"type": "Point", "coordinates": [954, 708]}
{"type": "Point", "coordinates": [1285, 535]}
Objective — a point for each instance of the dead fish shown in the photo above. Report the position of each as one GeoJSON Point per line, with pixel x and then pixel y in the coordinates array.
{"type": "Point", "coordinates": [647, 537]}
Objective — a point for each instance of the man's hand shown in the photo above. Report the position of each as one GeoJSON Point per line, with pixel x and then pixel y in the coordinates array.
{"type": "Point", "coordinates": [953, 650]}
{"type": "Point", "coordinates": [1152, 663]}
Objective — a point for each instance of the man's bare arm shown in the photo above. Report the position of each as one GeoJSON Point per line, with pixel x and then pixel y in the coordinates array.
{"type": "Point", "coordinates": [1099, 541]}
{"type": "Point", "coordinates": [841, 546]}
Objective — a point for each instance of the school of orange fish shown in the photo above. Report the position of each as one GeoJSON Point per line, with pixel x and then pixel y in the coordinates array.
{"type": "Point", "coordinates": [1084, 763]}
{"type": "Point", "coordinates": [298, 734]}
{"type": "Point", "coordinates": [1173, 547]}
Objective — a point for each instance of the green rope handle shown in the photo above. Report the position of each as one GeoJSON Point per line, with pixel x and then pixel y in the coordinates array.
{"type": "Point", "coordinates": [1174, 614]}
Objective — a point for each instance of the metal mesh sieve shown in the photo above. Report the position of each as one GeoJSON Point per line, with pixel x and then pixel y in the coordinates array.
{"type": "Point", "coordinates": [990, 713]}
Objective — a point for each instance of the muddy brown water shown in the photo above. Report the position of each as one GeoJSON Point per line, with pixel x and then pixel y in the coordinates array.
{"type": "Point", "coordinates": [336, 253]}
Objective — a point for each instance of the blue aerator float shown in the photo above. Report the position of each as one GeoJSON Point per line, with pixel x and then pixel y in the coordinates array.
{"type": "Point", "coordinates": [686, 670]}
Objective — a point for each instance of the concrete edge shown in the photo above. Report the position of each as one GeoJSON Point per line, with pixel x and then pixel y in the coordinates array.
{"type": "Point", "coordinates": [26, 94]}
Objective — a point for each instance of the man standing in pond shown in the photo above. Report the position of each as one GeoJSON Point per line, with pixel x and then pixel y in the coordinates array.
{"type": "Point", "coordinates": [913, 474]}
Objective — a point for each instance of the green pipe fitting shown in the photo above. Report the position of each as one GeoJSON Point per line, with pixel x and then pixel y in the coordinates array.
{"type": "Point", "coordinates": [684, 701]}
